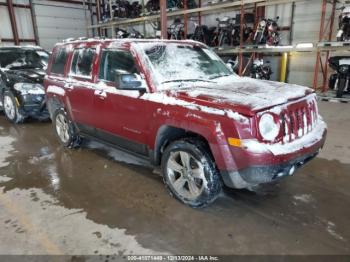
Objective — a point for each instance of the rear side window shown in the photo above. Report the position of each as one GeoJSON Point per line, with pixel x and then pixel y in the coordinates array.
{"type": "Point", "coordinates": [59, 61]}
{"type": "Point", "coordinates": [82, 62]}
{"type": "Point", "coordinates": [113, 61]}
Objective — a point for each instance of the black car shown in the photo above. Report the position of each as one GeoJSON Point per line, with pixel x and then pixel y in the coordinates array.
{"type": "Point", "coordinates": [22, 71]}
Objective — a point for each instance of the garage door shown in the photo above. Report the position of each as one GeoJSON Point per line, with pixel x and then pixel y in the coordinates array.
{"type": "Point", "coordinates": [57, 22]}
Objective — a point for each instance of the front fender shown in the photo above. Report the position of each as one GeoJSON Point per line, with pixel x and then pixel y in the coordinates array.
{"type": "Point", "coordinates": [197, 123]}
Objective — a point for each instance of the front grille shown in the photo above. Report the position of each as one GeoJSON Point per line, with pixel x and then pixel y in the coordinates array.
{"type": "Point", "coordinates": [298, 119]}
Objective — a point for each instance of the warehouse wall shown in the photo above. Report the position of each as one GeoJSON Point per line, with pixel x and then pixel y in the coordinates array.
{"type": "Point", "coordinates": [55, 22]}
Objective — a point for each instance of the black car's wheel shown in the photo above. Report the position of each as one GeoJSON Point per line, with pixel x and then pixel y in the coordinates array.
{"type": "Point", "coordinates": [11, 109]}
{"type": "Point", "coordinates": [189, 172]}
{"type": "Point", "coordinates": [65, 129]}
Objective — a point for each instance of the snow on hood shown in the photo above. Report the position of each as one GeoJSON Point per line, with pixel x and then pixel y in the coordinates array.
{"type": "Point", "coordinates": [252, 93]}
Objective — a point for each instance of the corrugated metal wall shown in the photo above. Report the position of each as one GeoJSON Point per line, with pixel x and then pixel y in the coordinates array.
{"type": "Point", "coordinates": [55, 21]}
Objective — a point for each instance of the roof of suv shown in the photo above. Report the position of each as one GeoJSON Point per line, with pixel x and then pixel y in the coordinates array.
{"type": "Point", "coordinates": [123, 41]}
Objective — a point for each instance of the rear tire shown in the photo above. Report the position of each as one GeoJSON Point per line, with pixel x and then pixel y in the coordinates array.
{"type": "Point", "coordinates": [65, 130]}
{"type": "Point", "coordinates": [11, 109]}
{"type": "Point", "coordinates": [190, 174]}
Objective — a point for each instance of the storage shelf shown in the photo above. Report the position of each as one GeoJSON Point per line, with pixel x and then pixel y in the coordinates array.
{"type": "Point", "coordinates": [319, 47]}
{"type": "Point", "coordinates": [205, 9]}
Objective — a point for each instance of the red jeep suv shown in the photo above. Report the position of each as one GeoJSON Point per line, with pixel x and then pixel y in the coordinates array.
{"type": "Point", "coordinates": [178, 104]}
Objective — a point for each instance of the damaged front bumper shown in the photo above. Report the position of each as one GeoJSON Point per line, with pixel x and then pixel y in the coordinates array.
{"type": "Point", "coordinates": [256, 175]}
{"type": "Point", "coordinates": [282, 160]}
{"type": "Point", "coordinates": [33, 106]}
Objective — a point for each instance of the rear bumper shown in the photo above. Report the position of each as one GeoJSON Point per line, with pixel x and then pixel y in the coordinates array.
{"type": "Point", "coordinates": [270, 166]}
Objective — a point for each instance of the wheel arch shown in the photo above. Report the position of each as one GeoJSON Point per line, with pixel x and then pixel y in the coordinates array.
{"type": "Point", "coordinates": [53, 104]}
{"type": "Point", "coordinates": [167, 134]}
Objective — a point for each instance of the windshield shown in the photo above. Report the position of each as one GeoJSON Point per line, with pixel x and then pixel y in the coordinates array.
{"type": "Point", "coordinates": [177, 63]}
{"type": "Point", "coordinates": [23, 58]}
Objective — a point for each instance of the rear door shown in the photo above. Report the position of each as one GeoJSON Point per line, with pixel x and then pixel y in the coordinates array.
{"type": "Point", "coordinates": [79, 88]}
{"type": "Point", "coordinates": [56, 79]}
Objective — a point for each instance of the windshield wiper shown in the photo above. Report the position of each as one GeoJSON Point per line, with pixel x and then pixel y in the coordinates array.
{"type": "Point", "coordinates": [187, 80]}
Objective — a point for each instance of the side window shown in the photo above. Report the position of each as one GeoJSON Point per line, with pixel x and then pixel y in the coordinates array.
{"type": "Point", "coordinates": [82, 62]}
{"type": "Point", "coordinates": [116, 60]}
{"type": "Point", "coordinates": [59, 61]}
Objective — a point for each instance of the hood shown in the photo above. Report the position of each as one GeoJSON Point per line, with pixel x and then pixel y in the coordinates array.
{"type": "Point", "coordinates": [242, 94]}
{"type": "Point", "coordinates": [25, 76]}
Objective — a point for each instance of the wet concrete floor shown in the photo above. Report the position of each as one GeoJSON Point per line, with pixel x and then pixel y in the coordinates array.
{"type": "Point", "coordinates": [97, 200]}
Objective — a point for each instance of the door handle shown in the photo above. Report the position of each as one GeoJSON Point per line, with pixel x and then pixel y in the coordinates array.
{"type": "Point", "coordinates": [101, 94]}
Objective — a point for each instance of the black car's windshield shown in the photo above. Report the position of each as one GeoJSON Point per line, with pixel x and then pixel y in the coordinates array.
{"type": "Point", "coordinates": [175, 62]}
{"type": "Point", "coordinates": [23, 58]}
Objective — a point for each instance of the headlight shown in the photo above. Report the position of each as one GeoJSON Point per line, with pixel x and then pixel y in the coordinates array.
{"type": "Point", "coordinates": [343, 69]}
{"type": "Point", "coordinates": [31, 89]}
{"type": "Point", "coordinates": [268, 128]}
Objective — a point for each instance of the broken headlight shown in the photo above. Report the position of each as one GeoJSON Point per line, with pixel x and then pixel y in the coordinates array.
{"type": "Point", "coordinates": [30, 89]}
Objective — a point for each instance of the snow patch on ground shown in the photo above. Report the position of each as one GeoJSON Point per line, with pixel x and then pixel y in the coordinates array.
{"type": "Point", "coordinates": [37, 159]}
{"type": "Point", "coordinates": [5, 149]}
{"type": "Point", "coordinates": [305, 198]}
{"type": "Point", "coordinates": [331, 230]}
{"type": "Point", "coordinates": [49, 230]}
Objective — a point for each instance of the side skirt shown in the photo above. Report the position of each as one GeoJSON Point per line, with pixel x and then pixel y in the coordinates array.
{"type": "Point", "coordinates": [131, 147]}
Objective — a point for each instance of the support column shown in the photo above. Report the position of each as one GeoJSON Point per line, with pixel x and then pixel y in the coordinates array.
{"type": "Point", "coordinates": [13, 21]}
{"type": "Point", "coordinates": [163, 19]}
{"type": "Point", "coordinates": [318, 55]}
{"type": "Point", "coordinates": [35, 26]}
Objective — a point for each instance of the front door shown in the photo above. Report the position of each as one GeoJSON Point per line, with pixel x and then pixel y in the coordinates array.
{"type": "Point", "coordinates": [124, 119]}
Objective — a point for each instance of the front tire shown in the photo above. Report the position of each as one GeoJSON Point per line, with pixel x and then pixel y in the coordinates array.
{"type": "Point", "coordinates": [65, 129]}
{"type": "Point", "coordinates": [190, 174]}
{"type": "Point", "coordinates": [11, 109]}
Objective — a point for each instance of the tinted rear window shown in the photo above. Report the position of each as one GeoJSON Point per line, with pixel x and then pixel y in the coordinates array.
{"type": "Point", "coordinates": [59, 61]}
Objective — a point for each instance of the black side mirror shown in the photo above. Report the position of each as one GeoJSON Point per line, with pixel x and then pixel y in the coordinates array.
{"type": "Point", "coordinates": [127, 81]}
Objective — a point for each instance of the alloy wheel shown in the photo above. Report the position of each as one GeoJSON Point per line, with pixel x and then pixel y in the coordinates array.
{"type": "Point", "coordinates": [186, 174]}
{"type": "Point", "coordinates": [9, 107]}
{"type": "Point", "coordinates": [62, 128]}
